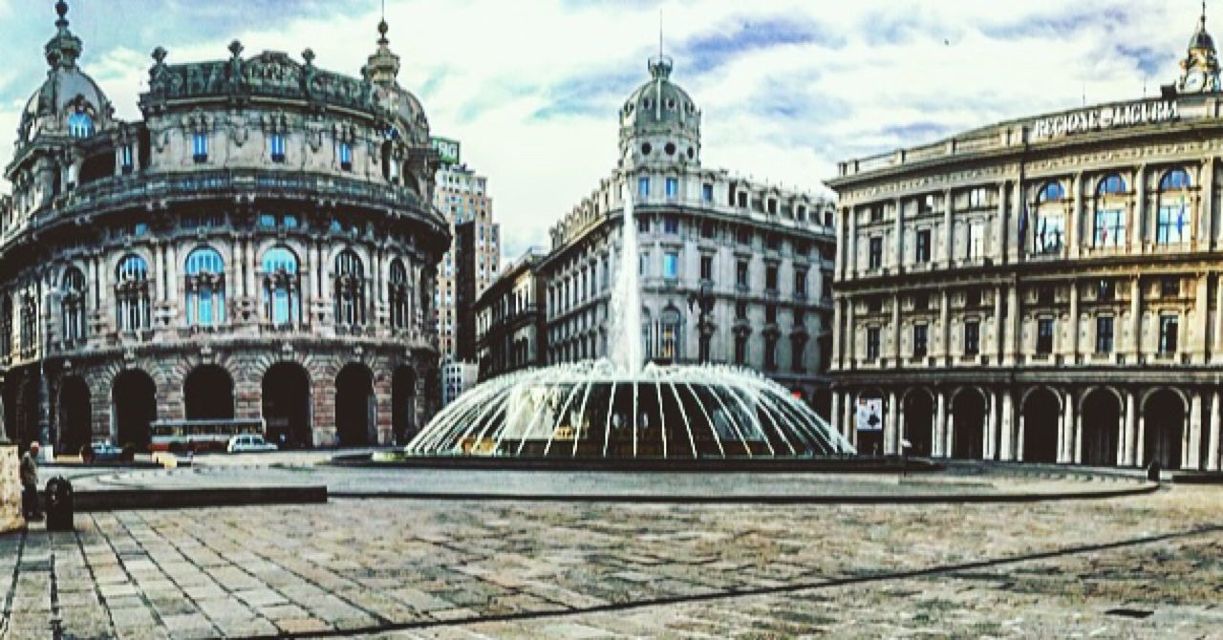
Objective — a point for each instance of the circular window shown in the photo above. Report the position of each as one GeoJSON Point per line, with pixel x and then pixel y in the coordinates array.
{"type": "Point", "coordinates": [670, 148]}
{"type": "Point", "coordinates": [646, 149]}
{"type": "Point", "coordinates": [691, 153]}
{"type": "Point", "coordinates": [671, 104]}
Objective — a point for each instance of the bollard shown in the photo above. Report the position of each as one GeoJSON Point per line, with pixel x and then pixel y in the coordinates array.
{"type": "Point", "coordinates": [59, 504]}
{"type": "Point", "coordinates": [1153, 471]}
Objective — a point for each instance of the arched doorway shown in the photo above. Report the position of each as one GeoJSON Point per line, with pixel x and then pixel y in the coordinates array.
{"type": "Point", "coordinates": [1041, 414]}
{"type": "Point", "coordinates": [1101, 420]}
{"type": "Point", "coordinates": [403, 403]}
{"type": "Point", "coordinates": [1163, 427]}
{"type": "Point", "coordinates": [919, 422]}
{"type": "Point", "coordinates": [354, 406]}
{"type": "Point", "coordinates": [75, 429]}
{"type": "Point", "coordinates": [134, 400]}
{"type": "Point", "coordinates": [869, 415]}
{"type": "Point", "coordinates": [208, 394]}
{"type": "Point", "coordinates": [968, 424]}
{"type": "Point", "coordinates": [286, 405]}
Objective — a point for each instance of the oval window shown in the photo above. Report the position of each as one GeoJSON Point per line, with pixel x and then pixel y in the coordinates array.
{"type": "Point", "coordinates": [646, 149]}
{"type": "Point", "coordinates": [691, 153]}
{"type": "Point", "coordinates": [670, 148]}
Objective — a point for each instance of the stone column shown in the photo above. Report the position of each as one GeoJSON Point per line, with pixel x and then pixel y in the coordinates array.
{"type": "Point", "coordinates": [948, 236]}
{"type": "Point", "coordinates": [1076, 216]}
{"type": "Point", "coordinates": [1140, 213]}
{"type": "Point", "coordinates": [1201, 312]}
{"type": "Point", "coordinates": [1139, 440]}
{"type": "Point", "coordinates": [940, 425]}
{"type": "Point", "coordinates": [835, 417]}
{"type": "Point", "coordinates": [847, 416]}
{"type": "Point", "coordinates": [1136, 321]}
{"type": "Point", "coordinates": [900, 426]}
{"type": "Point", "coordinates": [847, 338]}
{"type": "Point", "coordinates": [898, 255]}
{"type": "Point", "coordinates": [1007, 450]}
{"type": "Point", "coordinates": [896, 331]}
{"type": "Point", "coordinates": [1216, 348]}
{"type": "Point", "coordinates": [989, 447]}
{"type": "Point", "coordinates": [1000, 226]}
{"type": "Point", "coordinates": [944, 326]}
{"type": "Point", "coordinates": [1077, 457]}
{"type": "Point", "coordinates": [838, 265]}
{"type": "Point", "coordinates": [1065, 455]}
{"type": "Point", "coordinates": [1073, 349]}
{"type": "Point", "coordinates": [999, 329]}
{"type": "Point", "coordinates": [1212, 450]}
{"type": "Point", "coordinates": [851, 256]}
{"type": "Point", "coordinates": [836, 334]}
{"type": "Point", "coordinates": [1209, 221]}
{"type": "Point", "coordinates": [1191, 451]}
{"type": "Point", "coordinates": [889, 427]}
{"type": "Point", "coordinates": [1125, 456]}
{"type": "Point", "coordinates": [10, 487]}
{"type": "Point", "coordinates": [1012, 326]}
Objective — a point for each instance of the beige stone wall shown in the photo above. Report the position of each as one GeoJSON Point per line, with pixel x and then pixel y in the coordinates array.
{"type": "Point", "coordinates": [10, 489]}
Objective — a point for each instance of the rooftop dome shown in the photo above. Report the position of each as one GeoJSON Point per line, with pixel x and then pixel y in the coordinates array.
{"type": "Point", "coordinates": [67, 89]}
{"type": "Point", "coordinates": [659, 101]}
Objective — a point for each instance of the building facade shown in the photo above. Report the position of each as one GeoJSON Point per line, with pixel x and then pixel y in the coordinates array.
{"type": "Point", "coordinates": [462, 196]}
{"type": "Point", "coordinates": [457, 377]}
{"type": "Point", "coordinates": [510, 329]}
{"type": "Point", "coordinates": [260, 246]}
{"type": "Point", "coordinates": [732, 270]}
{"type": "Point", "coordinates": [1047, 289]}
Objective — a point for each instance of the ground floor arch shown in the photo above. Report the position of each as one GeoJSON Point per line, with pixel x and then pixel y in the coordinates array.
{"type": "Point", "coordinates": [355, 406]}
{"type": "Point", "coordinates": [919, 423]}
{"type": "Point", "coordinates": [1163, 429]}
{"type": "Point", "coordinates": [403, 404]}
{"type": "Point", "coordinates": [967, 424]}
{"type": "Point", "coordinates": [75, 428]}
{"type": "Point", "coordinates": [1042, 412]}
{"type": "Point", "coordinates": [133, 408]}
{"type": "Point", "coordinates": [1101, 422]}
{"type": "Point", "coordinates": [286, 405]}
{"type": "Point", "coordinates": [208, 393]}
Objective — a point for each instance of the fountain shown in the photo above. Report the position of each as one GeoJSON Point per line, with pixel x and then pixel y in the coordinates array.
{"type": "Point", "coordinates": [616, 408]}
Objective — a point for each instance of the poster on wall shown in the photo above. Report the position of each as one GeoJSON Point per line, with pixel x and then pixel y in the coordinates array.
{"type": "Point", "coordinates": [869, 416]}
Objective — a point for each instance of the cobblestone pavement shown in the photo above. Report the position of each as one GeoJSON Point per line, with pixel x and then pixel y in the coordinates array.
{"type": "Point", "coordinates": [455, 569]}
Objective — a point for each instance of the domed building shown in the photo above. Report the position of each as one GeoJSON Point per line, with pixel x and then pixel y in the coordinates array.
{"type": "Point", "coordinates": [256, 254]}
{"type": "Point", "coordinates": [733, 270]}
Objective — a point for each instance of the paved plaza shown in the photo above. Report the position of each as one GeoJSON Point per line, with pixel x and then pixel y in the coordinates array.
{"type": "Point", "coordinates": [1140, 566]}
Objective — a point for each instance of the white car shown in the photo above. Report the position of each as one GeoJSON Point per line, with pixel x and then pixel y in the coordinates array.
{"type": "Point", "coordinates": [243, 444]}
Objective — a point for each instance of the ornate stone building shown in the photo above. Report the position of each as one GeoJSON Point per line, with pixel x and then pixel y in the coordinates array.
{"type": "Point", "coordinates": [261, 246]}
{"type": "Point", "coordinates": [733, 270]}
{"type": "Point", "coordinates": [1046, 289]}
{"type": "Point", "coordinates": [509, 317]}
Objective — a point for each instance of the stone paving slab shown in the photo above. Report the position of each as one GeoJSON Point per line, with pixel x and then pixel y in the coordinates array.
{"type": "Point", "coordinates": [443, 569]}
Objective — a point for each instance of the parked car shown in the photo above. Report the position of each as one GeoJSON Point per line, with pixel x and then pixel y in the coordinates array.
{"type": "Point", "coordinates": [242, 444]}
{"type": "Point", "coordinates": [101, 451]}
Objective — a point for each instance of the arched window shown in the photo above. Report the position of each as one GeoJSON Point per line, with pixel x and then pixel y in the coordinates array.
{"type": "Point", "coordinates": [1049, 222]}
{"type": "Point", "coordinates": [349, 290]}
{"type": "Point", "coordinates": [281, 291]}
{"type": "Point", "coordinates": [399, 295]}
{"type": "Point", "coordinates": [205, 287]}
{"type": "Point", "coordinates": [72, 305]}
{"type": "Point", "coordinates": [1110, 214]}
{"type": "Point", "coordinates": [670, 332]}
{"type": "Point", "coordinates": [6, 328]}
{"type": "Point", "coordinates": [1051, 191]}
{"type": "Point", "coordinates": [1174, 220]}
{"type": "Point", "coordinates": [29, 326]}
{"type": "Point", "coordinates": [132, 294]}
{"type": "Point", "coordinates": [80, 124]}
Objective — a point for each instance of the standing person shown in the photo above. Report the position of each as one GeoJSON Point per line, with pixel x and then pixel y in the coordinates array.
{"type": "Point", "coordinates": [29, 483]}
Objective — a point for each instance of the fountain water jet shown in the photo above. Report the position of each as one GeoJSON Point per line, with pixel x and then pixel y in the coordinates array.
{"type": "Point", "coordinates": [624, 413]}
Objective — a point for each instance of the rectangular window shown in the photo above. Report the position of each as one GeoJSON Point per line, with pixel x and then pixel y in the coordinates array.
{"type": "Point", "coordinates": [972, 297]}
{"type": "Point", "coordinates": [277, 146]}
{"type": "Point", "coordinates": [920, 340]}
{"type": "Point", "coordinates": [267, 220]}
{"type": "Point", "coordinates": [972, 338]}
{"type": "Point", "coordinates": [875, 254]}
{"type": "Point", "coordinates": [199, 147]}
{"type": "Point", "coordinates": [922, 254]}
{"type": "Point", "coordinates": [876, 213]}
{"type": "Point", "coordinates": [770, 314]}
{"type": "Point", "coordinates": [643, 187]}
{"type": "Point", "coordinates": [770, 277]}
{"type": "Point", "coordinates": [773, 241]}
{"type": "Point", "coordinates": [1168, 330]}
{"type": "Point", "coordinates": [706, 267]}
{"type": "Point", "coordinates": [708, 230]}
{"type": "Point", "coordinates": [346, 156]}
{"type": "Point", "coordinates": [643, 224]}
{"type": "Point", "coordinates": [740, 350]}
{"type": "Point", "coordinates": [670, 265]}
{"type": "Point", "coordinates": [742, 199]}
{"type": "Point", "coordinates": [1172, 224]}
{"type": "Point", "coordinates": [1110, 228]}
{"type": "Point", "coordinates": [670, 224]}
{"type": "Point", "coordinates": [976, 241]}
{"type": "Point", "coordinates": [921, 301]}
{"type": "Point", "coordinates": [672, 186]}
{"type": "Point", "coordinates": [925, 204]}
{"type": "Point", "coordinates": [643, 263]}
{"type": "Point", "coordinates": [741, 311]}
{"type": "Point", "coordinates": [1106, 290]}
{"type": "Point", "coordinates": [745, 236]}
{"type": "Point", "coordinates": [1170, 287]}
{"type": "Point", "coordinates": [1104, 334]}
{"type": "Point", "coordinates": [1049, 232]}
{"type": "Point", "coordinates": [800, 283]}
{"type": "Point", "coordinates": [707, 192]}
{"type": "Point", "coordinates": [1044, 336]}
{"type": "Point", "coordinates": [872, 344]}
{"type": "Point", "coordinates": [125, 158]}
{"type": "Point", "coordinates": [741, 274]}
{"type": "Point", "coordinates": [976, 198]}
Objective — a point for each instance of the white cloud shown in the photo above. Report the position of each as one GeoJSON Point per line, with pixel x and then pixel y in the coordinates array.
{"type": "Point", "coordinates": [869, 77]}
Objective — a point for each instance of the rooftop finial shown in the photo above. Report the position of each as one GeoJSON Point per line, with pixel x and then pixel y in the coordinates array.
{"type": "Point", "coordinates": [61, 9]}
{"type": "Point", "coordinates": [63, 48]}
{"type": "Point", "coordinates": [660, 31]}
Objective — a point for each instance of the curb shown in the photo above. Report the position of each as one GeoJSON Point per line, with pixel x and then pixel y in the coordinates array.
{"type": "Point", "coordinates": [130, 499]}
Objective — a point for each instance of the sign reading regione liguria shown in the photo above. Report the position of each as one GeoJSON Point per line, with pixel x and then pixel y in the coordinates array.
{"type": "Point", "coordinates": [1106, 117]}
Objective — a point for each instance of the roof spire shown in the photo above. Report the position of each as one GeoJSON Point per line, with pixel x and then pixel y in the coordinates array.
{"type": "Point", "coordinates": [383, 66]}
{"type": "Point", "coordinates": [63, 48]}
{"type": "Point", "coordinates": [660, 30]}
{"type": "Point", "coordinates": [660, 65]}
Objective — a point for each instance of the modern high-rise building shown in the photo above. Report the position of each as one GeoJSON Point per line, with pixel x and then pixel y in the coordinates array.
{"type": "Point", "coordinates": [462, 196]}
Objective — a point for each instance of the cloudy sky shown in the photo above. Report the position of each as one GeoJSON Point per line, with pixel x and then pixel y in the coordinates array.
{"type": "Point", "coordinates": [532, 87]}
